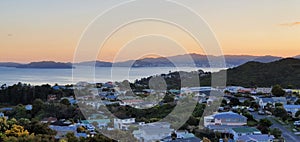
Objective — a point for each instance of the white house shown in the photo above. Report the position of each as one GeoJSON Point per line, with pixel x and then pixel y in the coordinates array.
{"type": "Point", "coordinates": [153, 131]}
{"type": "Point", "coordinates": [123, 124]}
{"type": "Point", "coordinates": [263, 90]}
{"type": "Point", "coordinates": [256, 138]}
{"type": "Point", "coordinates": [225, 118]}
{"type": "Point", "coordinates": [264, 101]}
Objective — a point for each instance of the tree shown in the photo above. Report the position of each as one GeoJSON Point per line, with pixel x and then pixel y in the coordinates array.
{"type": "Point", "coordinates": [278, 91]}
{"type": "Point", "coordinates": [17, 131]}
{"type": "Point", "coordinates": [234, 102]}
{"type": "Point", "coordinates": [276, 132]}
{"type": "Point", "coordinates": [265, 122]}
{"type": "Point", "coordinates": [65, 102]}
{"type": "Point", "coordinates": [297, 113]}
{"type": "Point", "coordinates": [247, 103]}
{"type": "Point", "coordinates": [297, 102]}
{"type": "Point", "coordinates": [263, 125]}
{"type": "Point", "coordinates": [174, 136]}
{"type": "Point", "coordinates": [3, 125]}
{"type": "Point", "coordinates": [224, 103]}
{"type": "Point", "coordinates": [37, 106]}
{"type": "Point", "coordinates": [281, 112]}
{"type": "Point", "coordinates": [71, 137]}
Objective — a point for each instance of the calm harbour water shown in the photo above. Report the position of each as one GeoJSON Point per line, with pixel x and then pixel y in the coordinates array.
{"type": "Point", "coordinates": [11, 76]}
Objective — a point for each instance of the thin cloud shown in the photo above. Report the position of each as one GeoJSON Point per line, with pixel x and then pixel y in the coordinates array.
{"type": "Point", "coordinates": [290, 24]}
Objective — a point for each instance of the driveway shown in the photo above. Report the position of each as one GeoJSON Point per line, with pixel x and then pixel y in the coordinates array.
{"type": "Point", "coordinates": [287, 134]}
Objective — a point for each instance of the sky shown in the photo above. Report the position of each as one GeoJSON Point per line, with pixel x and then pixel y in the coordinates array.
{"type": "Point", "coordinates": [39, 30]}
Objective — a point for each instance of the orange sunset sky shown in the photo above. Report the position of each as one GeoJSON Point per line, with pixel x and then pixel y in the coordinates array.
{"type": "Point", "coordinates": [36, 30]}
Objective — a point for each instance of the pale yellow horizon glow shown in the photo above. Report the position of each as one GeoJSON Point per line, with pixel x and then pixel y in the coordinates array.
{"type": "Point", "coordinates": [50, 31]}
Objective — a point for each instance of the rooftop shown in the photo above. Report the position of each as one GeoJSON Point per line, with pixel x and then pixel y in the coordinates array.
{"type": "Point", "coordinates": [264, 137]}
{"type": "Point", "coordinates": [224, 115]}
{"type": "Point", "coordinates": [245, 130]}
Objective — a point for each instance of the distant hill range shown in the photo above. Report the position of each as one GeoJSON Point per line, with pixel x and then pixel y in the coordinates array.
{"type": "Point", "coordinates": [187, 60]}
{"type": "Point", "coordinates": [40, 65]}
{"type": "Point", "coordinates": [297, 57]}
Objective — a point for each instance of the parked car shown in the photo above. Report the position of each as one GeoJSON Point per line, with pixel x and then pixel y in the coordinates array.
{"type": "Point", "coordinates": [261, 112]}
{"type": "Point", "coordinates": [297, 123]}
{"type": "Point", "coordinates": [251, 109]}
{"type": "Point", "coordinates": [268, 112]}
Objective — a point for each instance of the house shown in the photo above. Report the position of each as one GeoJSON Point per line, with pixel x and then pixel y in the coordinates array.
{"type": "Point", "coordinates": [153, 131]}
{"type": "Point", "coordinates": [108, 85]}
{"type": "Point", "coordinates": [291, 99]}
{"type": "Point", "coordinates": [297, 91]}
{"type": "Point", "coordinates": [63, 130]}
{"type": "Point", "coordinates": [49, 120]}
{"type": "Point", "coordinates": [222, 128]}
{"type": "Point", "coordinates": [256, 138]}
{"type": "Point", "coordinates": [51, 97]}
{"type": "Point", "coordinates": [131, 102]}
{"type": "Point", "coordinates": [111, 97]}
{"type": "Point", "coordinates": [242, 131]}
{"type": "Point", "coordinates": [28, 107]}
{"type": "Point", "coordinates": [144, 105]}
{"type": "Point", "coordinates": [71, 100]}
{"type": "Point", "coordinates": [233, 89]}
{"type": "Point", "coordinates": [2, 115]}
{"type": "Point", "coordinates": [123, 124]}
{"type": "Point", "coordinates": [264, 101]}
{"type": "Point", "coordinates": [182, 136]}
{"type": "Point", "coordinates": [101, 123]}
{"type": "Point", "coordinates": [292, 109]}
{"type": "Point", "coordinates": [263, 90]}
{"type": "Point", "coordinates": [225, 118]}
{"type": "Point", "coordinates": [245, 90]}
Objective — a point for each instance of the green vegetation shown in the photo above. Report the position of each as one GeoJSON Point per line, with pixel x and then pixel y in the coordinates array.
{"type": "Point", "coordinates": [278, 91]}
{"type": "Point", "coordinates": [263, 125]}
{"type": "Point", "coordinates": [251, 74]}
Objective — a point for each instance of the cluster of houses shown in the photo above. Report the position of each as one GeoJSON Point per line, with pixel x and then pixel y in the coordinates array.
{"type": "Point", "coordinates": [235, 125]}
{"type": "Point", "coordinates": [224, 122]}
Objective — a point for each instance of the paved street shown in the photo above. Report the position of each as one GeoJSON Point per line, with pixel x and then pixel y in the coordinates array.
{"type": "Point", "coordinates": [287, 134]}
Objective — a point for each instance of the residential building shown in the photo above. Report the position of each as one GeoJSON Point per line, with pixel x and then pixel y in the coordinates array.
{"type": "Point", "coordinates": [242, 131]}
{"type": "Point", "coordinates": [130, 102]}
{"type": "Point", "coordinates": [233, 89]}
{"type": "Point", "coordinates": [28, 107]}
{"type": "Point", "coordinates": [292, 109]}
{"type": "Point", "coordinates": [256, 138]}
{"type": "Point", "coordinates": [225, 118]}
{"type": "Point", "coordinates": [153, 131]}
{"type": "Point", "coordinates": [63, 130]}
{"type": "Point", "coordinates": [2, 115]}
{"type": "Point", "coordinates": [101, 123]}
{"type": "Point", "coordinates": [49, 120]}
{"type": "Point", "coordinates": [182, 136]}
{"type": "Point", "coordinates": [263, 90]}
{"type": "Point", "coordinates": [264, 101]}
{"type": "Point", "coordinates": [123, 124]}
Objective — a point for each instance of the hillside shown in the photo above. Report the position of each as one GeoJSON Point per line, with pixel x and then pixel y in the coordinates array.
{"type": "Point", "coordinates": [251, 74]}
{"type": "Point", "coordinates": [47, 65]}
{"type": "Point", "coordinates": [198, 60]}
{"type": "Point", "coordinates": [186, 60]}
{"type": "Point", "coordinates": [284, 72]}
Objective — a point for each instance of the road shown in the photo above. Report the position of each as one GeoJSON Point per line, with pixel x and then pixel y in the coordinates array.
{"type": "Point", "coordinates": [287, 134]}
